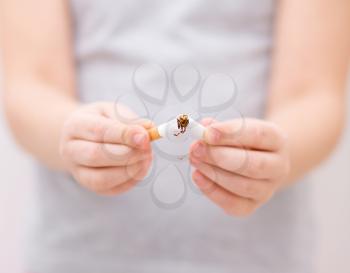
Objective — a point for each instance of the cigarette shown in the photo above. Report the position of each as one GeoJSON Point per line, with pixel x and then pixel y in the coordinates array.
{"type": "Point", "coordinates": [195, 129]}
{"type": "Point", "coordinates": [153, 134]}
{"type": "Point", "coordinates": [156, 133]}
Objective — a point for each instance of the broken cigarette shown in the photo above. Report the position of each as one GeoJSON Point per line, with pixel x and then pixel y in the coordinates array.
{"type": "Point", "coordinates": [194, 128]}
{"type": "Point", "coordinates": [157, 132]}
{"type": "Point", "coordinates": [154, 134]}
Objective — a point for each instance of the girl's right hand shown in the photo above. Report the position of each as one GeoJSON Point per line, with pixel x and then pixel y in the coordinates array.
{"type": "Point", "coordinates": [102, 153]}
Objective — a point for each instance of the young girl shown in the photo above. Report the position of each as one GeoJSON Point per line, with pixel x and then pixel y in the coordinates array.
{"type": "Point", "coordinates": [67, 61]}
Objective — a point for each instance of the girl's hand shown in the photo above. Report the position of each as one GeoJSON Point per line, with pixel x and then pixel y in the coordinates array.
{"type": "Point", "coordinates": [240, 164]}
{"type": "Point", "coordinates": [104, 154]}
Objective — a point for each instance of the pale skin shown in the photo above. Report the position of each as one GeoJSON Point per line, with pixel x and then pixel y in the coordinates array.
{"type": "Point", "coordinates": [305, 113]}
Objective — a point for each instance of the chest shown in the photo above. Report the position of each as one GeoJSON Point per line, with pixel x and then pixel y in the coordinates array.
{"type": "Point", "coordinates": [207, 15]}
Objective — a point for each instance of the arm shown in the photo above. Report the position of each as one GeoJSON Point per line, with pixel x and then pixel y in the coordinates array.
{"type": "Point", "coordinates": [307, 94]}
{"type": "Point", "coordinates": [103, 154]}
{"type": "Point", "coordinates": [39, 91]}
{"type": "Point", "coordinates": [305, 112]}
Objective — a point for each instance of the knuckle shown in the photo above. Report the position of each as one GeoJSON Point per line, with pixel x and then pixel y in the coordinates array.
{"type": "Point", "coordinates": [97, 129]}
{"type": "Point", "coordinates": [261, 165]}
{"type": "Point", "coordinates": [257, 166]}
{"type": "Point", "coordinates": [241, 209]}
{"type": "Point", "coordinates": [92, 153]}
{"type": "Point", "coordinates": [249, 188]}
{"type": "Point", "coordinates": [258, 134]}
{"type": "Point", "coordinates": [90, 180]}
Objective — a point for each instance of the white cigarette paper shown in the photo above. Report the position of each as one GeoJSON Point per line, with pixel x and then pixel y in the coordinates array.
{"type": "Point", "coordinates": [195, 129]}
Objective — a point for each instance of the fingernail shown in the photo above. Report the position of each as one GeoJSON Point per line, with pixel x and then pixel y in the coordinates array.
{"type": "Point", "coordinates": [139, 139]}
{"type": "Point", "coordinates": [199, 150]}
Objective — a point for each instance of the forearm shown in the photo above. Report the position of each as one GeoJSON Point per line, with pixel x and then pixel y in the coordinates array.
{"type": "Point", "coordinates": [36, 113]}
{"type": "Point", "coordinates": [313, 124]}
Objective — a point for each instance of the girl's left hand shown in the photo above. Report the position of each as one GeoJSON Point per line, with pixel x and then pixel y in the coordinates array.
{"type": "Point", "coordinates": [240, 164]}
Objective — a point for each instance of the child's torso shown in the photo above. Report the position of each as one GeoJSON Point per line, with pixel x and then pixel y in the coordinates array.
{"type": "Point", "coordinates": [83, 232]}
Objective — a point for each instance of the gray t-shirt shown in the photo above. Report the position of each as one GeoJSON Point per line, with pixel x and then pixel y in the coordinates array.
{"type": "Point", "coordinates": [164, 225]}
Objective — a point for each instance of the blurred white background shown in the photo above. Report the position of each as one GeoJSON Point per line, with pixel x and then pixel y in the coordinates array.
{"type": "Point", "coordinates": [332, 197]}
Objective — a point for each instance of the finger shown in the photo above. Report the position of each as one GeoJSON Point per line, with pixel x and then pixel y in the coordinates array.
{"type": "Point", "coordinates": [93, 154]}
{"type": "Point", "coordinates": [232, 204]}
{"type": "Point", "coordinates": [253, 164]}
{"type": "Point", "coordinates": [100, 129]}
{"type": "Point", "coordinates": [258, 190]}
{"type": "Point", "coordinates": [103, 179]}
{"type": "Point", "coordinates": [126, 186]}
{"type": "Point", "coordinates": [116, 111]}
{"type": "Point", "coordinates": [146, 123]}
{"type": "Point", "coordinates": [126, 116]}
{"type": "Point", "coordinates": [208, 121]}
{"type": "Point", "coordinates": [250, 133]}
